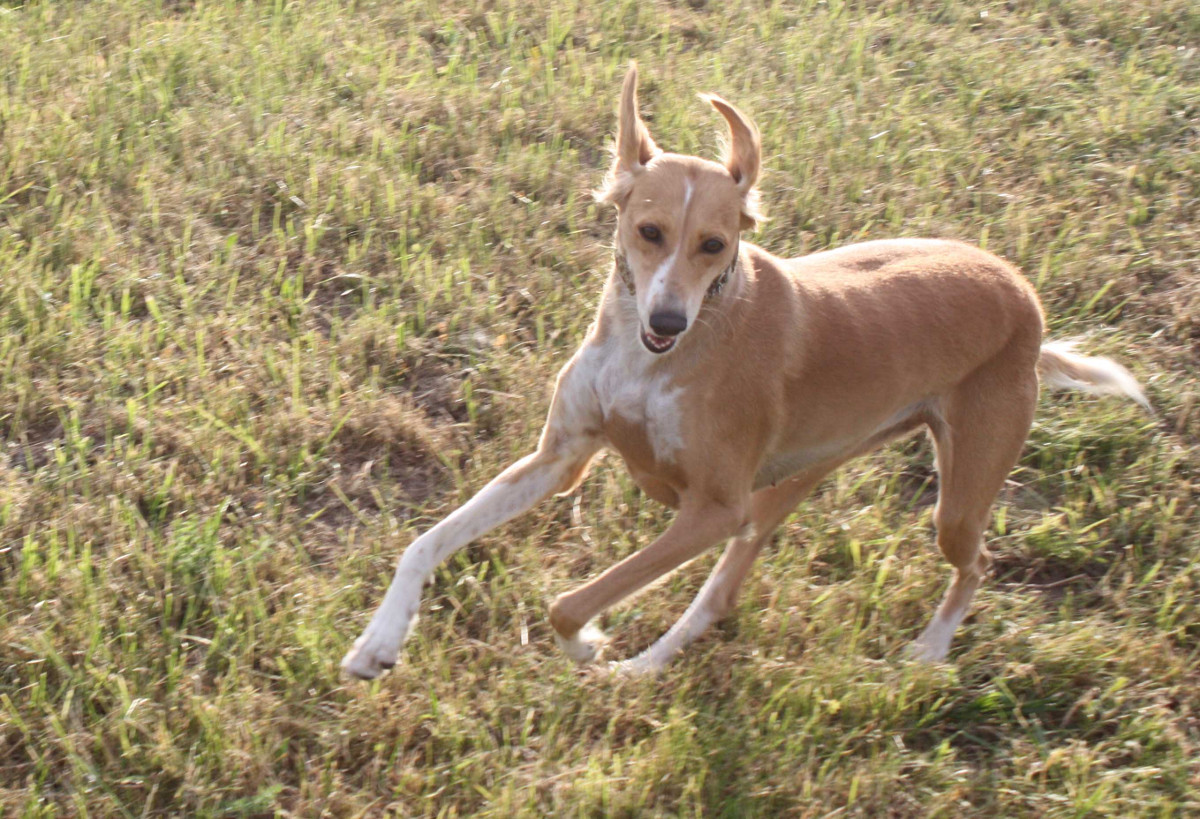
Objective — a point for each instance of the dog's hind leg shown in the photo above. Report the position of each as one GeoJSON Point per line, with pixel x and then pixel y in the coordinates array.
{"type": "Point", "coordinates": [769, 508]}
{"type": "Point", "coordinates": [983, 425]}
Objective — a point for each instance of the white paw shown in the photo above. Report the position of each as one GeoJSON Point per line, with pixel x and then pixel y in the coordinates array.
{"type": "Point", "coordinates": [639, 666]}
{"type": "Point", "coordinates": [924, 652]}
{"type": "Point", "coordinates": [587, 644]}
{"type": "Point", "coordinates": [375, 651]}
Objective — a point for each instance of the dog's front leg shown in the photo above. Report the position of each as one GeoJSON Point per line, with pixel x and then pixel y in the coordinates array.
{"type": "Point", "coordinates": [769, 508]}
{"type": "Point", "coordinates": [700, 614]}
{"type": "Point", "coordinates": [697, 527]}
{"type": "Point", "coordinates": [551, 469]}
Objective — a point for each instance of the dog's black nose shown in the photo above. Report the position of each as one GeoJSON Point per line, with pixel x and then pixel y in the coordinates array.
{"type": "Point", "coordinates": [668, 324]}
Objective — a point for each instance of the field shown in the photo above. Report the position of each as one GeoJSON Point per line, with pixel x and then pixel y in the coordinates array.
{"type": "Point", "coordinates": [282, 283]}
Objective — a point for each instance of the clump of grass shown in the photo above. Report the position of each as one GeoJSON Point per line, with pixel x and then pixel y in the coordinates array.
{"type": "Point", "coordinates": [281, 284]}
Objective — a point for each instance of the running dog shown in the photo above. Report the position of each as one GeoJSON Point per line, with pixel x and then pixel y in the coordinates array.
{"type": "Point", "coordinates": [731, 381]}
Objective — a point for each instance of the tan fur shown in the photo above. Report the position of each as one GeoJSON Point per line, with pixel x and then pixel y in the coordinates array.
{"type": "Point", "coordinates": [796, 366]}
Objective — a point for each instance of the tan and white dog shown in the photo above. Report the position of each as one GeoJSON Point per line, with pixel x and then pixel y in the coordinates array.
{"type": "Point", "coordinates": [732, 381]}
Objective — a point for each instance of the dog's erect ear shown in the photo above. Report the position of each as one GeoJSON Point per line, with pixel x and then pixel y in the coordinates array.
{"type": "Point", "coordinates": [634, 147]}
{"type": "Point", "coordinates": [744, 152]}
{"type": "Point", "coordinates": [743, 157]}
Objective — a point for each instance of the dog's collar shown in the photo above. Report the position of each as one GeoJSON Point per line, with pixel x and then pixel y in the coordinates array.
{"type": "Point", "coordinates": [719, 282]}
{"type": "Point", "coordinates": [625, 273]}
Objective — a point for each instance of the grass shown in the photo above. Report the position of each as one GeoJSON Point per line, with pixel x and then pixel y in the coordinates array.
{"type": "Point", "coordinates": [282, 283]}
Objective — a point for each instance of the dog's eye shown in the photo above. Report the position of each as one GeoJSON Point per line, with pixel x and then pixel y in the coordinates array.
{"type": "Point", "coordinates": [650, 233]}
{"type": "Point", "coordinates": [712, 246]}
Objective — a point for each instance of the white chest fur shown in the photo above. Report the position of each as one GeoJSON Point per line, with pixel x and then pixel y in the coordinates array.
{"type": "Point", "coordinates": [631, 382]}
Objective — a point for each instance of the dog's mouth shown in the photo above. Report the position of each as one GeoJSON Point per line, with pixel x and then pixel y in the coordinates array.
{"type": "Point", "coordinates": [658, 344]}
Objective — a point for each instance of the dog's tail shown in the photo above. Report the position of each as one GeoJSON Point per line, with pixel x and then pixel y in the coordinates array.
{"type": "Point", "coordinates": [1059, 367]}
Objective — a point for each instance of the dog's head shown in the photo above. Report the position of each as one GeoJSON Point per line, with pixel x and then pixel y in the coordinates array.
{"type": "Point", "coordinates": [679, 217]}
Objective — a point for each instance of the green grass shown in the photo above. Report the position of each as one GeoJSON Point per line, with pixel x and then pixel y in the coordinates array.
{"type": "Point", "coordinates": [281, 283]}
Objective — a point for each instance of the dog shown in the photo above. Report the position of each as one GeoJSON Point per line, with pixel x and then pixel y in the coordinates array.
{"type": "Point", "coordinates": [732, 382]}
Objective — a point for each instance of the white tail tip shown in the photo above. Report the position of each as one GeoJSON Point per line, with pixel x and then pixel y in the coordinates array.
{"type": "Point", "coordinates": [1061, 368]}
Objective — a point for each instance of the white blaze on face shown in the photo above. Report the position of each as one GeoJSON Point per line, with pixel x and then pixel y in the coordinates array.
{"type": "Point", "coordinates": [657, 292]}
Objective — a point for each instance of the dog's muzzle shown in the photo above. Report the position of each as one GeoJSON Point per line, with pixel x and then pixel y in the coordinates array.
{"type": "Point", "coordinates": [657, 344]}
{"type": "Point", "coordinates": [667, 327]}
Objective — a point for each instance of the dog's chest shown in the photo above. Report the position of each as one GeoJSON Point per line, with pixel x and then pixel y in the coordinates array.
{"type": "Point", "coordinates": [642, 409]}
